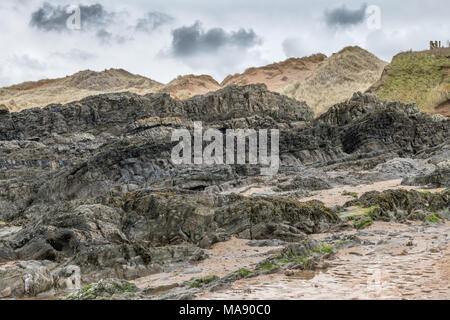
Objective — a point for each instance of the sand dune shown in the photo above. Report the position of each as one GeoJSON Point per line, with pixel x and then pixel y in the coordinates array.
{"type": "Point", "coordinates": [319, 80]}
{"type": "Point", "coordinates": [337, 78]}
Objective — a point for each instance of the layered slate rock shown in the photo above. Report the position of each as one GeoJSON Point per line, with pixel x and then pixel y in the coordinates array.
{"type": "Point", "coordinates": [111, 113]}
{"type": "Point", "coordinates": [91, 184]}
{"type": "Point", "coordinates": [365, 126]}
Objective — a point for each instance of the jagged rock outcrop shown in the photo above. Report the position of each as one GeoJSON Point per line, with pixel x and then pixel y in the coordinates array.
{"type": "Point", "coordinates": [110, 113]}
{"type": "Point", "coordinates": [404, 167]}
{"type": "Point", "coordinates": [365, 126]}
{"type": "Point", "coordinates": [439, 178]}
{"type": "Point", "coordinates": [359, 106]}
{"type": "Point", "coordinates": [401, 205]}
{"type": "Point", "coordinates": [91, 184]}
{"type": "Point", "coordinates": [31, 278]}
{"type": "Point", "coordinates": [123, 232]}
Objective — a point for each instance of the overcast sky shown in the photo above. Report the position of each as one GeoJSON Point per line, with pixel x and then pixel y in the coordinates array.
{"type": "Point", "coordinates": [162, 39]}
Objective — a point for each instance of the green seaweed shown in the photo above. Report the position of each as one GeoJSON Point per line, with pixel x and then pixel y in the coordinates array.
{"type": "Point", "coordinates": [243, 272]}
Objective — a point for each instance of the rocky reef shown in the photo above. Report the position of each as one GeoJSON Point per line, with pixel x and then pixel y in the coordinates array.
{"type": "Point", "coordinates": [88, 191]}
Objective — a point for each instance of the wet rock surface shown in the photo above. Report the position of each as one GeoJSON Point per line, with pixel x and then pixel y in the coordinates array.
{"type": "Point", "coordinates": [386, 261]}
{"type": "Point", "coordinates": [88, 191]}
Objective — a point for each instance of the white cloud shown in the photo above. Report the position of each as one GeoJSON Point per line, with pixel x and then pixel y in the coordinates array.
{"type": "Point", "coordinates": [288, 28]}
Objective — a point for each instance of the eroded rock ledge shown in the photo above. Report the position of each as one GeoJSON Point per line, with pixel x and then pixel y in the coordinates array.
{"type": "Point", "coordinates": [88, 191]}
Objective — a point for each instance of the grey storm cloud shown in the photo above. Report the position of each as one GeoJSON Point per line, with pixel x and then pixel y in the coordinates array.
{"type": "Point", "coordinates": [53, 18]}
{"type": "Point", "coordinates": [152, 21]}
{"type": "Point", "coordinates": [345, 17]}
{"type": "Point", "coordinates": [95, 18]}
{"type": "Point", "coordinates": [190, 40]}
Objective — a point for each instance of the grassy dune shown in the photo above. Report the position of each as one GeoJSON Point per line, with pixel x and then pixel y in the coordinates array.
{"type": "Point", "coordinates": [420, 77]}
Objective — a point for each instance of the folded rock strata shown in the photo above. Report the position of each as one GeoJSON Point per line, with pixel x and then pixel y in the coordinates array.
{"type": "Point", "coordinates": [90, 184]}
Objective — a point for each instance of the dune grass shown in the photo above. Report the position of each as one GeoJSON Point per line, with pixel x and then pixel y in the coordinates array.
{"type": "Point", "coordinates": [420, 77]}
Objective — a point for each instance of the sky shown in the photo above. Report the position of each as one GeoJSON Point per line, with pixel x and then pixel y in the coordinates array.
{"type": "Point", "coordinates": [162, 39]}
